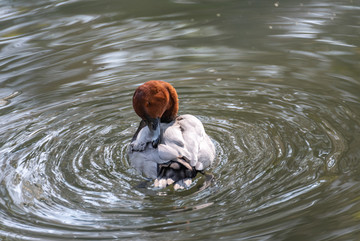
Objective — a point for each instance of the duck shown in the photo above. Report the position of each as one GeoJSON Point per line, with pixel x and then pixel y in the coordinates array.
{"type": "Point", "coordinates": [168, 148]}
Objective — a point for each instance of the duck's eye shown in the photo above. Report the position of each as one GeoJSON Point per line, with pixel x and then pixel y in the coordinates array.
{"type": "Point", "coordinates": [148, 103]}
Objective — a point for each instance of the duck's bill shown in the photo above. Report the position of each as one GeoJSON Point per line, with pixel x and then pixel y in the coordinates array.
{"type": "Point", "coordinates": [154, 126]}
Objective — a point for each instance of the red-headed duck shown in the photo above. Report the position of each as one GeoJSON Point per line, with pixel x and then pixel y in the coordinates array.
{"type": "Point", "coordinates": [168, 148]}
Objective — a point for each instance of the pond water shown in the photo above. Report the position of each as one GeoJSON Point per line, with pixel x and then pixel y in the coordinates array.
{"type": "Point", "coordinates": [276, 84]}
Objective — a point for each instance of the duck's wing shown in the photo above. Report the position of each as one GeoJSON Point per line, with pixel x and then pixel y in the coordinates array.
{"type": "Point", "coordinates": [198, 145]}
{"type": "Point", "coordinates": [188, 149]}
{"type": "Point", "coordinates": [186, 137]}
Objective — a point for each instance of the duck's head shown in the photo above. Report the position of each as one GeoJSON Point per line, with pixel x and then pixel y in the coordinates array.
{"type": "Point", "coordinates": [156, 101]}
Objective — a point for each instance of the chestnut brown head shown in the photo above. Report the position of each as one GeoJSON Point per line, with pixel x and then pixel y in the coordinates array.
{"type": "Point", "coordinates": [156, 101]}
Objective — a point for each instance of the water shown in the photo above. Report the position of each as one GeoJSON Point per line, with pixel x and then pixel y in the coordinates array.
{"type": "Point", "coordinates": [275, 83]}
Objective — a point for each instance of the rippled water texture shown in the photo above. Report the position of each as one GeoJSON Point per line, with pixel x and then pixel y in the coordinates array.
{"type": "Point", "coordinates": [276, 84]}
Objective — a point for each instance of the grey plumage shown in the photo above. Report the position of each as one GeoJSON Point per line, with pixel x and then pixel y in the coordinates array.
{"type": "Point", "coordinates": [183, 137]}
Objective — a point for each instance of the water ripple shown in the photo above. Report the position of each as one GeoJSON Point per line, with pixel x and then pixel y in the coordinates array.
{"type": "Point", "coordinates": [282, 113]}
{"type": "Point", "coordinates": [66, 164]}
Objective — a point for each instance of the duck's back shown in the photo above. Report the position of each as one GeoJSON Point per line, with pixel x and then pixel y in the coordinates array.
{"type": "Point", "coordinates": [184, 137]}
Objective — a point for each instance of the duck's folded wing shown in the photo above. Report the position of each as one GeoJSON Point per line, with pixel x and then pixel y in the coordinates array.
{"type": "Point", "coordinates": [197, 143]}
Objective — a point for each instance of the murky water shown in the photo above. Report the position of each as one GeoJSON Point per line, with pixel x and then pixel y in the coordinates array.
{"type": "Point", "coordinates": [276, 84]}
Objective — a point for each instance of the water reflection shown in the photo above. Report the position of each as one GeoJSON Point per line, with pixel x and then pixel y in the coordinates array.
{"type": "Point", "coordinates": [276, 85]}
